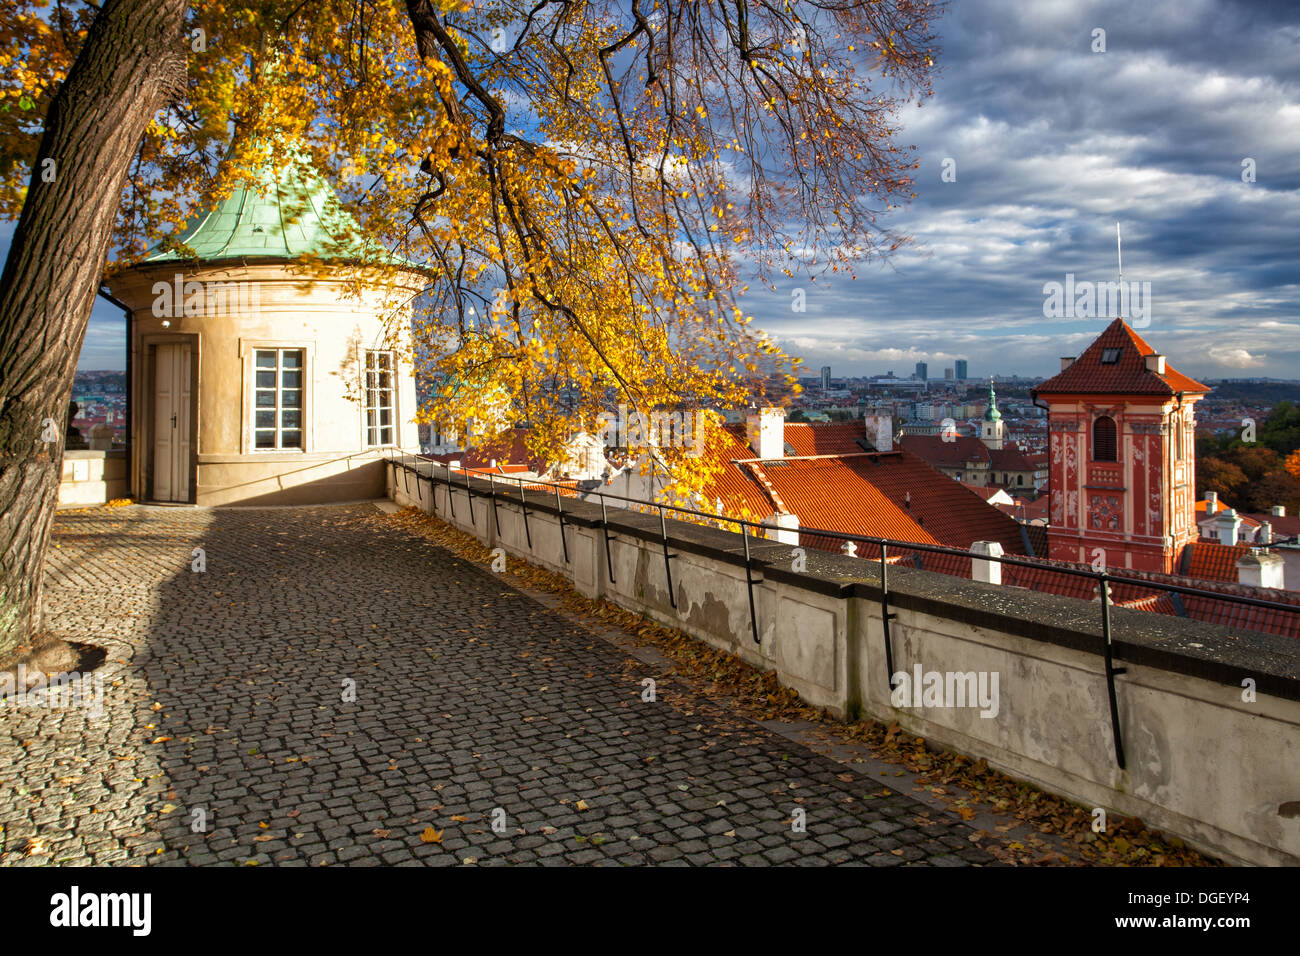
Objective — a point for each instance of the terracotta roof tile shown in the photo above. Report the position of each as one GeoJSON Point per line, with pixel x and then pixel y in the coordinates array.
{"type": "Point", "coordinates": [946, 454]}
{"type": "Point", "coordinates": [508, 448]}
{"type": "Point", "coordinates": [836, 494]}
{"type": "Point", "coordinates": [947, 509]}
{"type": "Point", "coordinates": [736, 487]}
{"type": "Point", "coordinates": [1211, 561]}
{"type": "Point", "coordinates": [830, 438]}
{"type": "Point", "coordinates": [1010, 458]}
{"type": "Point", "coordinates": [1282, 525]}
{"type": "Point", "coordinates": [1128, 376]}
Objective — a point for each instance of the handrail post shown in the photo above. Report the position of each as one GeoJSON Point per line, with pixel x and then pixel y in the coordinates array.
{"type": "Point", "coordinates": [451, 491]}
{"type": "Point", "coordinates": [1111, 669]}
{"type": "Point", "coordinates": [559, 510]}
{"type": "Point", "coordinates": [886, 616]}
{"type": "Point", "coordinates": [604, 525]}
{"type": "Point", "coordinates": [469, 497]}
{"type": "Point", "coordinates": [668, 570]}
{"type": "Point", "coordinates": [492, 490]}
{"type": "Point", "coordinates": [433, 492]}
{"type": "Point", "coordinates": [749, 583]}
{"type": "Point", "coordinates": [523, 499]}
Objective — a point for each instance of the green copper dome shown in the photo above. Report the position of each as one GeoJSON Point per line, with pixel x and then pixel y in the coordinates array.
{"type": "Point", "coordinates": [287, 214]}
{"type": "Point", "coordinates": [992, 414]}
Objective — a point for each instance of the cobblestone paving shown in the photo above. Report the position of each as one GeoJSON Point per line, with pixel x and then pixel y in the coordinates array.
{"type": "Point", "coordinates": [225, 695]}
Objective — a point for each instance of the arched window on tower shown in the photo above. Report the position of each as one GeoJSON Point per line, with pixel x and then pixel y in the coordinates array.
{"type": "Point", "coordinates": [1104, 439]}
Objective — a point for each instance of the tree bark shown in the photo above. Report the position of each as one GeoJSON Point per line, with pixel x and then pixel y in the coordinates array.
{"type": "Point", "coordinates": [133, 61]}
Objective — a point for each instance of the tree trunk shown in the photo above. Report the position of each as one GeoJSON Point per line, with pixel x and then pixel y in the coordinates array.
{"type": "Point", "coordinates": [133, 61]}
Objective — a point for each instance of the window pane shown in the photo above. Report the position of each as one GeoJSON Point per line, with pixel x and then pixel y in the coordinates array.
{"type": "Point", "coordinates": [377, 383]}
{"type": "Point", "coordinates": [278, 386]}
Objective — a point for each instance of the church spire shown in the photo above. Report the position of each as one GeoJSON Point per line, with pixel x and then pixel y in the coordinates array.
{"type": "Point", "coordinates": [992, 415]}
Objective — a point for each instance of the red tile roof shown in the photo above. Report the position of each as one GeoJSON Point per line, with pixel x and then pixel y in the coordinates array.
{"type": "Point", "coordinates": [830, 438]}
{"type": "Point", "coordinates": [508, 448]}
{"type": "Point", "coordinates": [1129, 376]}
{"type": "Point", "coordinates": [955, 453]}
{"type": "Point", "coordinates": [1010, 458]}
{"type": "Point", "coordinates": [736, 487]}
{"type": "Point", "coordinates": [1283, 525]}
{"type": "Point", "coordinates": [1211, 561]}
{"type": "Point", "coordinates": [836, 494]}
{"type": "Point", "coordinates": [954, 514]}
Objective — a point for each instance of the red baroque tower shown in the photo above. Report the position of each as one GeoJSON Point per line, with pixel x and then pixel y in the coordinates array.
{"type": "Point", "coordinates": [1122, 478]}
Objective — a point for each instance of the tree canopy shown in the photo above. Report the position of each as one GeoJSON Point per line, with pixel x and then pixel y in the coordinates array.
{"type": "Point", "coordinates": [591, 181]}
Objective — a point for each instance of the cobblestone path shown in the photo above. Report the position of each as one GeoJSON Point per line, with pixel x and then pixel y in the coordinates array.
{"type": "Point", "coordinates": [225, 706]}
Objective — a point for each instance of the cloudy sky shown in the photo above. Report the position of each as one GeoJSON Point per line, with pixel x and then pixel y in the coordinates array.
{"type": "Point", "coordinates": [1052, 143]}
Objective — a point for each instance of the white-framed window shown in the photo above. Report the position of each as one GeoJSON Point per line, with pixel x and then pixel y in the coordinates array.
{"type": "Point", "coordinates": [278, 399]}
{"type": "Point", "coordinates": [380, 401]}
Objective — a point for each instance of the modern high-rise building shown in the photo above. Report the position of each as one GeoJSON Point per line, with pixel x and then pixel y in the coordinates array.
{"type": "Point", "coordinates": [947, 374]}
{"type": "Point", "coordinates": [826, 376]}
{"type": "Point", "coordinates": [922, 371]}
{"type": "Point", "coordinates": [961, 368]}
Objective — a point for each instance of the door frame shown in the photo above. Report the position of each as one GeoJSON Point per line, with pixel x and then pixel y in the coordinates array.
{"type": "Point", "coordinates": [148, 372]}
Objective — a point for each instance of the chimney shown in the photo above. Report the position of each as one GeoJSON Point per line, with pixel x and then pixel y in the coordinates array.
{"type": "Point", "coordinates": [880, 430]}
{"type": "Point", "coordinates": [988, 571]}
{"type": "Point", "coordinates": [1211, 502]}
{"type": "Point", "coordinates": [1228, 522]}
{"type": "Point", "coordinates": [765, 431]}
{"type": "Point", "coordinates": [1265, 532]}
{"type": "Point", "coordinates": [1156, 363]}
{"type": "Point", "coordinates": [783, 527]}
{"type": "Point", "coordinates": [1279, 511]}
{"type": "Point", "coordinates": [1066, 361]}
{"type": "Point", "coordinates": [1260, 569]}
